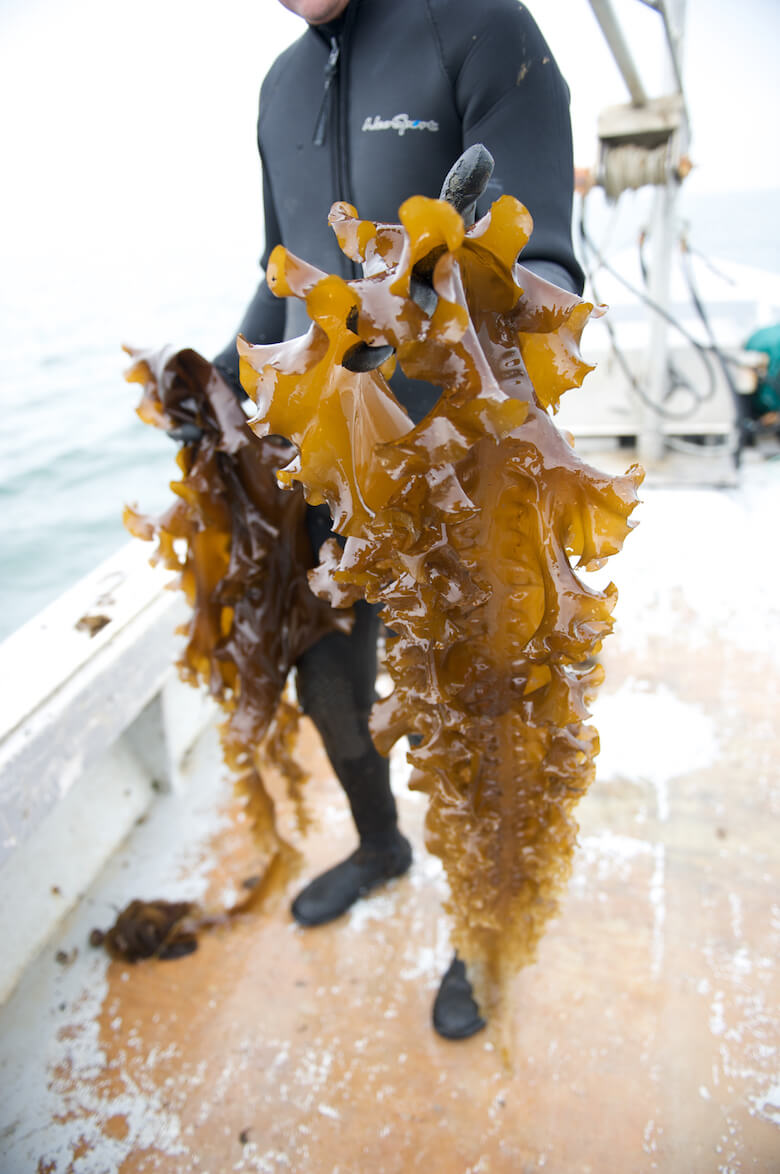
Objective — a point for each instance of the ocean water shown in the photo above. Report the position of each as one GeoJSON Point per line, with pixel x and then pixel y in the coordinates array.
{"type": "Point", "coordinates": [72, 451]}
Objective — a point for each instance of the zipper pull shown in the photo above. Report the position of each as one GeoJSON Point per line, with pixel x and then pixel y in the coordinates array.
{"type": "Point", "coordinates": [331, 69]}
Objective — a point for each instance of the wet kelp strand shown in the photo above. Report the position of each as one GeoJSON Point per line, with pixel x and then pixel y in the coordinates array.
{"type": "Point", "coordinates": [469, 529]}
{"type": "Point", "coordinates": [241, 551]}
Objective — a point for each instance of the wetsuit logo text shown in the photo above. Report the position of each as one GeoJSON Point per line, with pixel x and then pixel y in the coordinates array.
{"type": "Point", "coordinates": [400, 122]}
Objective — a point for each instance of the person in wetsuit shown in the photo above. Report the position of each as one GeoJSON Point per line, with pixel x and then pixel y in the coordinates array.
{"type": "Point", "coordinates": [371, 105]}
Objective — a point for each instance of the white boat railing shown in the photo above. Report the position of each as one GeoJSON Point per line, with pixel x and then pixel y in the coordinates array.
{"type": "Point", "coordinates": [93, 723]}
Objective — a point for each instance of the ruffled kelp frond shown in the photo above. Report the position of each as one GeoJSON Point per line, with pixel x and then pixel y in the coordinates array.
{"type": "Point", "coordinates": [465, 527]}
{"type": "Point", "coordinates": [240, 546]}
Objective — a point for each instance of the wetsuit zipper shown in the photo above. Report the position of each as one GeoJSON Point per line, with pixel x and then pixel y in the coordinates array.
{"type": "Point", "coordinates": [341, 137]}
{"type": "Point", "coordinates": [334, 109]}
{"type": "Point", "coordinates": [331, 69]}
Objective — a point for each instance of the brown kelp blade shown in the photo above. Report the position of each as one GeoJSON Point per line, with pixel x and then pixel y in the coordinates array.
{"type": "Point", "coordinates": [240, 546]}
{"type": "Point", "coordinates": [466, 528]}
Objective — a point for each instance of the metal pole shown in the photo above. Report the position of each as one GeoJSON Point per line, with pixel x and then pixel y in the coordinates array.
{"type": "Point", "coordinates": [651, 439]}
{"type": "Point", "coordinates": [602, 10]}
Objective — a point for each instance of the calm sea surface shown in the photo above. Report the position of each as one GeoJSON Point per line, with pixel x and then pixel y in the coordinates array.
{"type": "Point", "coordinates": [72, 451]}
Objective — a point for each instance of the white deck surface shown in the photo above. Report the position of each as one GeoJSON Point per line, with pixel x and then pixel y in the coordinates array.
{"type": "Point", "coordinates": [645, 1038]}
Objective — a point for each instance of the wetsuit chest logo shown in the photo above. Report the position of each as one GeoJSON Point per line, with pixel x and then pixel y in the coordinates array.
{"type": "Point", "coordinates": [400, 123]}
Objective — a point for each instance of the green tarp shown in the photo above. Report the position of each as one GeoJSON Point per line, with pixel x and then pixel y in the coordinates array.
{"type": "Point", "coordinates": [767, 340]}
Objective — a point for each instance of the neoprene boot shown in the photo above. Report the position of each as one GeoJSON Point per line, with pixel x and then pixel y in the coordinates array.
{"type": "Point", "coordinates": [336, 689]}
{"type": "Point", "coordinates": [333, 892]}
{"type": "Point", "coordinates": [455, 1011]}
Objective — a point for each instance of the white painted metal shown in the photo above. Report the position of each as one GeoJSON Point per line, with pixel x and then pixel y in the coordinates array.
{"type": "Point", "coordinates": [52, 647]}
{"type": "Point", "coordinates": [49, 873]}
{"type": "Point", "coordinates": [606, 405]}
{"type": "Point", "coordinates": [69, 696]}
{"type": "Point", "coordinates": [613, 34]}
{"type": "Point", "coordinates": [664, 236]}
{"type": "Point", "coordinates": [92, 727]}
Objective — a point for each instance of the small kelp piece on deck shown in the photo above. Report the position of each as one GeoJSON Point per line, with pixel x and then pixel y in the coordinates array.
{"type": "Point", "coordinates": [465, 528]}
{"type": "Point", "coordinates": [151, 929]}
{"type": "Point", "coordinates": [170, 929]}
{"type": "Point", "coordinates": [240, 546]}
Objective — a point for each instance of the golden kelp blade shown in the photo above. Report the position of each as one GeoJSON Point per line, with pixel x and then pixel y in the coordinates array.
{"type": "Point", "coordinates": [333, 417]}
{"type": "Point", "coordinates": [242, 552]}
{"type": "Point", "coordinates": [465, 532]}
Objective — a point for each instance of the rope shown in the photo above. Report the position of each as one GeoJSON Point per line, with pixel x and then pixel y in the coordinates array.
{"type": "Point", "coordinates": [677, 379]}
{"type": "Point", "coordinates": [591, 253]}
{"type": "Point", "coordinates": [629, 167]}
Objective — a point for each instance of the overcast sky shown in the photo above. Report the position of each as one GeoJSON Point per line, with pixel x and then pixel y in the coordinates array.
{"type": "Point", "coordinates": [125, 120]}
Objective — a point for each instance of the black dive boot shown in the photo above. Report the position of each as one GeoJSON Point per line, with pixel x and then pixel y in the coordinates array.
{"type": "Point", "coordinates": [336, 689]}
{"type": "Point", "coordinates": [455, 1011]}
{"type": "Point", "coordinates": [332, 893]}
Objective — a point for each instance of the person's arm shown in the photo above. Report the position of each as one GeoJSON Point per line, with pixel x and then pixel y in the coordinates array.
{"type": "Point", "coordinates": [512, 97]}
{"type": "Point", "coordinates": [264, 319]}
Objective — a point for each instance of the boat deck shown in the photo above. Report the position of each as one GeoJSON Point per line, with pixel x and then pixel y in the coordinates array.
{"type": "Point", "coordinates": [645, 1037]}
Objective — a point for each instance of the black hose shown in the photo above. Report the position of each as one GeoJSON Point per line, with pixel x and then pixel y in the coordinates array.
{"type": "Point", "coordinates": [590, 247]}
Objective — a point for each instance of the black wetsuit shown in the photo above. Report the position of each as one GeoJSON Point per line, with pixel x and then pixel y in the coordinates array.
{"type": "Point", "coordinates": [372, 109]}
